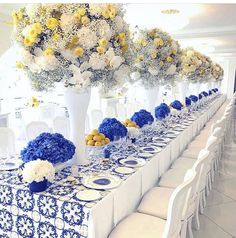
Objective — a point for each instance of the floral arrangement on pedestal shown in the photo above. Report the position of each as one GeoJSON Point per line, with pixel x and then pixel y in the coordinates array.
{"type": "Point", "coordinates": [142, 118]}
{"type": "Point", "coordinates": [204, 93]}
{"type": "Point", "coordinates": [78, 44]}
{"type": "Point", "coordinates": [157, 57]}
{"type": "Point", "coordinates": [51, 147]}
{"type": "Point", "coordinates": [193, 98]}
{"type": "Point", "coordinates": [162, 111]}
{"type": "Point", "coordinates": [217, 72]}
{"type": "Point", "coordinates": [195, 65]}
{"type": "Point", "coordinates": [188, 101]}
{"type": "Point", "coordinates": [177, 105]}
{"type": "Point", "coordinates": [37, 173]}
{"type": "Point", "coordinates": [112, 129]}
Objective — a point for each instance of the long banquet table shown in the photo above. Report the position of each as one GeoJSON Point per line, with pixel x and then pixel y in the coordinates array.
{"type": "Point", "coordinates": [58, 213]}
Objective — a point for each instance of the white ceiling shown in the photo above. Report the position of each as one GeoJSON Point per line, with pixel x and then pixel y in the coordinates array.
{"type": "Point", "coordinates": [210, 25]}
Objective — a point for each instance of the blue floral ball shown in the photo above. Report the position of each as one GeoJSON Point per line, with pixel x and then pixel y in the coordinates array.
{"type": "Point", "coordinates": [112, 128]}
{"type": "Point", "coordinates": [142, 118]}
{"type": "Point", "coordinates": [188, 101]}
{"type": "Point", "coordinates": [162, 111]}
{"type": "Point", "coordinates": [194, 98]}
{"type": "Point", "coordinates": [177, 105]}
{"type": "Point", "coordinates": [199, 96]}
{"type": "Point", "coordinates": [204, 93]}
{"type": "Point", "coordinates": [210, 92]}
{"type": "Point", "coordinates": [48, 146]}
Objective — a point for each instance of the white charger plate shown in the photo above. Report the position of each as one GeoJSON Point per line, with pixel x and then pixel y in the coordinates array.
{"type": "Point", "coordinates": [133, 162]}
{"type": "Point", "coordinates": [11, 164]}
{"type": "Point", "coordinates": [88, 195]}
{"type": "Point", "coordinates": [101, 181]}
{"type": "Point", "coordinates": [124, 170]}
{"type": "Point", "coordinates": [150, 149]}
{"type": "Point", "coordinates": [145, 155]}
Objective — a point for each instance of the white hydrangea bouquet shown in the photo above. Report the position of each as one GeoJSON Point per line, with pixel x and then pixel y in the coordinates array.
{"type": "Point", "coordinates": [78, 44]}
{"type": "Point", "coordinates": [37, 171]}
{"type": "Point", "coordinates": [157, 57]}
{"type": "Point", "coordinates": [195, 66]}
{"type": "Point", "coordinates": [217, 72]}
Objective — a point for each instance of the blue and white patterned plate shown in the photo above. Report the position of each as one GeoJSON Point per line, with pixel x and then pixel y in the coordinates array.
{"type": "Point", "coordinates": [145, 155]}
{"type": "Point", "coordinates": [150, 149]}
{"type": "Point", "coordinates": [101, 181]}
{"type": "Point", "coordinates": [133, 162]}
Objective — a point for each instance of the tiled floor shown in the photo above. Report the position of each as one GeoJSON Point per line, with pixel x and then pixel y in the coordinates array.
{"type": "Point", "coordinates": [219, 219]}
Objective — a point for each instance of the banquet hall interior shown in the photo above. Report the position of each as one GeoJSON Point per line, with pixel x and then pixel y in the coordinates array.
{"type": "Point", "coordinates": [117, 120]}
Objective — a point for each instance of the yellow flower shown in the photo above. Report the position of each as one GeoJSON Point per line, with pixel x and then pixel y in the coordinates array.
{"type": "Point", "coordinates": [103, 42]}
{"type": "Point", "coordinates": [78, 17]}
{"type": "Point", "coordinates": [100, 50]}
{"type": "Point", "coordinates": [14, 17]}
{"type": "Point", "coordinates": [140, 58]}
{"type": "Point", "coordinates": [122, 36]}
{"type": "Point", "coordinates": [85, 20]}
{"type": "Point", "coordinates": [169, 59]}
{"type": "Point", "coordinates": [174, 51]}
{"type": "Point", "coordinates": [105, 14]}
{"type": "Point", "coordinates": [112, 14]}
{"type": "Point", "coordinates": [144, 43]}
{"type": "Point", "coordinates": [27, 41]}
{"type": "Point", "coordinates": [33, 38]}
{"type": "Point", "coordinates": [158, 42]}
{"type": "Point", "coordinates": [161, 63]}
{"type": "Point", "coordinates": [56, 36]}
{"type": "Point", "coordinates": [152, 33]}
{"type": "Point", "coordinates": [81, 11]}
{"type": "Point", "coordinates": [125, 48]}
{"type": "Point", "coordinates": [123, 42]}
{"type": "Point", "coordinates": [139, 41]}
{"type": "Point", "coordinates": [19, 65]}
{"type": "Point", "coordinates": [33, 32]}
{"type": "Point", "coordinates": [52, 23]}
{"type": "Point", "coordinates": [79, 51]}
{"type": "Point", "coordinates": [20, 15]}
{"type": "Point", "coordinates": [48, 52]}
{"type": "Point", "coordinates": [153, 55]}
{"type": "Point", "coordinates": [38, 27]}
{"type": "Point", "coordinates": [75, 40]}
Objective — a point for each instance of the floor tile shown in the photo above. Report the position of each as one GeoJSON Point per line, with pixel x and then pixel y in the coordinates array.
{"type": "Point", "coordinates": [209, 229]}
{"type": "Point", "coordinates": [224, 216]}
{"type": "Point", "coordinates": [227, 187]}
{"type": "Point", "coordinates": [216, 198]}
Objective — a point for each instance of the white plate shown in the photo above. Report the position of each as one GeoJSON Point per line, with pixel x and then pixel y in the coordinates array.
{"type": "Point", "coordinates": [160, 144]}
{"type": "Point", "coordinates": [145, 155]}
{"type": "Point", "coordinates": [150, 149]}
{"type": "Point", "coordinates": [10, 164]}
{"type": "Point", "coordinates": [160, 140]}
{"type": "Point", "coordinates": [133, 162]}
{"type": "Point", "coordinates": [124, 170]}
{"type": "Point", "coordinates": [101, 181]}
{"type": "Point", "coordinates": [88, 195]}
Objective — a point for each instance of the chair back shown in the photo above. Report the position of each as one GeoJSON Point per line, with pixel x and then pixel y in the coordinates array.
{"type": "Point", "coordinates": [96, 118]}
{"type": "Point", "coordinates": [62, 125]}
{"type": "Point", "coordinates": [35, 128]}
{"type": "Point", "coordinates": [110, 111]}
{"type": "Point", "coordinates": [7, 142]}
{"type": "Point", "coordinates": [178, 205]}
{"type": "Point", "coordinates": [121, 111]}
{"type": "Point", "coordinates": [87, 125]}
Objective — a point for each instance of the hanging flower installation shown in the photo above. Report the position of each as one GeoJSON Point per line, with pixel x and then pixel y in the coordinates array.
{"type": "Point", "coordinates": [77, 44]}
{"type": "Point", "coordinates": [157, 57]}
{"type": "Point", "coordinates": [195, 66]}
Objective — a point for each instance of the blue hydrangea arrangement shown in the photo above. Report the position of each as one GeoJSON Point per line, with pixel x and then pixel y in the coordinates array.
{"type": "Point", "coordinates": [199, 96]}
{"type": "Point", "coordinates": [162, 111]}
{"type": "Point", "coordinates": [194, 98]}
{"type": "Point", "coordinates": [188, 101]}
{"type": "Point", "coordinates": [48, 146]}
{"type": "Point", "coordinates": [142, 118]}
{"type": "Point", "coordinates": [210, 92]}
{"type": "Point", "coordinates": [204, 93]}
{"type": "Point", "coordinates": [112, 128]}
{"type": "Point", "coordinates": [177, 105]}
{"type": "Point", "coordinates": [216, 89]}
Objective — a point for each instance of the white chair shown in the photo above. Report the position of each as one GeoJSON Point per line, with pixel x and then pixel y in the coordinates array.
{"type": "Point", "coordinates": [7, 141]}
{"type": "Point", "coordinates": [35, 128]}
{"type": "Point", "coordinates": [139, 225]}
{"type": "Point", "coordinates": [87, 125]}
{"type": "Point", "coordinates": [121, 111]}
{"type": "Point", "coordinates": [62, 125]}
{"type": "Point", "coordinates": [96, 118]}
{"type": "Point", "coordinates": [110, 111]}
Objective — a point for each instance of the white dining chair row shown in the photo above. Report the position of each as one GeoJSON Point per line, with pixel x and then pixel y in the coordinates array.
{"type": "Point", "coordinates": [155, 215]}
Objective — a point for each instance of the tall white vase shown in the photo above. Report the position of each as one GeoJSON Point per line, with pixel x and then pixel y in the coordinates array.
{"type": "Point", "coordinates": [183, 90]}
{"type": "Point", "coordinates": [77, 104]}
{"type": "Point", "coordinates": [152, 98]}
{"type": "Point", "coordinates": [196, 90]}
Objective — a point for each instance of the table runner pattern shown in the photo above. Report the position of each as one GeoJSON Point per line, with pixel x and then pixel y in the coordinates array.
{"type": "Point", "coordinates": [57, 212]}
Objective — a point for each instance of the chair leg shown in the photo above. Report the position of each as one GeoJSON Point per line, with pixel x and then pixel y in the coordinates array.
{"type": "Point", "coordinates": [196, 214]}
{"type": "Point", "coordinates": [190, 231]}
{"type": "Point", "coordinates": [201, 208]}
{"type": "Point", "coordinates": [204, 198]}
{"type": "Point", "coordinates": [183, 232]}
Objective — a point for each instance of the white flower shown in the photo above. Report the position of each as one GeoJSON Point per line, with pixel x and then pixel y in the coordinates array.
{"type": "Point", "coordinates": [116, 62]}
{"type": "Point", "coordinates": [87, 38]}
{"type": "Point", "coordinates": [121, 74]}
{"type": "Point", "coordinates": [96, 9]}
{"type": "Point", "coordinates": [84, 66]}
{"type": "Point", "coordinates": [97, 61]}
{"type": "Point", "coordinates": [135, 75]}
{"type": "Point", "coordinates": [47, 62]}
{"type": "Point", "coordinates": [67, 21]}
{"type": "Point", "coordinates": [103, 29]}
{"type": "Point", "coordinates": [133, 132]}
{"type": "Point", "coordinates": [67, 54]}
{"type": "Point", "coordinates": [171, 70]}
{"type": "Point", "coordinates": [25, 31]}
{"type": "Point", "coordinates": [153, 71]}
{"type": "Point", "coordinates": [38, 170]}
{"type": "Point", "coordinates": [32, 10]}
{"type": "Point", "coordinates": [26, 57]}
{"type": "Point", "coordinates": [119, 23]}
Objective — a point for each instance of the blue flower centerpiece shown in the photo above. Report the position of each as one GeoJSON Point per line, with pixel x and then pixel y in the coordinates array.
{"type": "Point", "coordinates": [204, 93]}
{"type": "Point", "coordinates": [188, 102]}
{"type": "Point", "coordinates": [142, 118]}
{"type": "Point", "coordinates": [194, 98]}
{"type": "Point", "coordinates": [177, 105]}
{"type": "Point", "coordinates": [112, 128]}
{"type": "Point", "coordinates": [210, 92]}
{"type": "Point", "coordinates": [51, 147]}
{"type": "Point", "coordinates": [162, 111]}
{"type": "Point", "coordinates": [199, 96]}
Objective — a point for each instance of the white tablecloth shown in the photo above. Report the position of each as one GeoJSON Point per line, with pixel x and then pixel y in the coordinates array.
{"type": "Point", "coordinates": [124, 200]}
